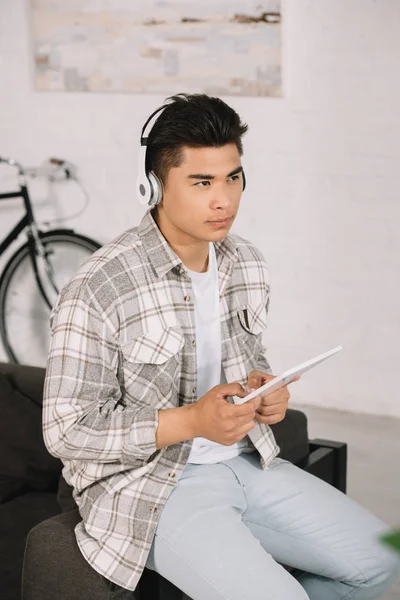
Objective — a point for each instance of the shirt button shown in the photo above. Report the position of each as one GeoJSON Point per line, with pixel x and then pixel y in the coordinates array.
{"type": "Point", "coordinates": [194, 390]}
{"type": "Point", "coordinates": [181, 270]}
{"type": "Point", "coordinates": [194, 343]}
{"type": "Point", "coordinates": [172, 474]}
{"type": "Point", "coordinates": [154, 509]}
{"type": "Point", "coordinates": [187, 298]}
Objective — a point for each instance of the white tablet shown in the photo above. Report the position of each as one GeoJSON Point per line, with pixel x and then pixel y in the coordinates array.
{"type": "Point", "coordinates": [287, 377]}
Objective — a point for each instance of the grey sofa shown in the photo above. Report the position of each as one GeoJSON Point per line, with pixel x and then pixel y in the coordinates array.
{"type": "Point", "coordinates": [39, 557]}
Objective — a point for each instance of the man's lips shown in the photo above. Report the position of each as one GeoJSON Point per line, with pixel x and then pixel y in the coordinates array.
{"type": "Point", "coordinates": [221, 221]}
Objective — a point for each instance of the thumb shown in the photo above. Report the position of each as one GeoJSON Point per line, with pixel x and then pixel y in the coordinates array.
{"type": "Point", "coordinates": [254, 382]}
{"type": "Point", "coordinates": [256, 401]}
{"type": "Point", "coordinates": [234, 389]}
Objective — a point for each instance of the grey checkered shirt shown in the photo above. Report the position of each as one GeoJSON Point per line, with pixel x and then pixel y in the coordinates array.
{"type": "Point", "coordinates": [122, 348]}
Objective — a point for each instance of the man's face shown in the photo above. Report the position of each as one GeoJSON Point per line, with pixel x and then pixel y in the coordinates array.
{"type": "Point", "coordinates": [201, 197]}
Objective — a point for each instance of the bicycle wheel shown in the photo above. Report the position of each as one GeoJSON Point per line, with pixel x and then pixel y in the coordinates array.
{"type": "Point", "coordinates": [24, 314]}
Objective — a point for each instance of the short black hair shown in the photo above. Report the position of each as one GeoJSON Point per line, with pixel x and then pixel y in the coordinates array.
{"type": "Point", "coordinates": [191, 121]}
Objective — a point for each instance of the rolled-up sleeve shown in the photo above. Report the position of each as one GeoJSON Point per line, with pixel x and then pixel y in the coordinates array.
{"type": "Point", "coordinates": [84, 414]}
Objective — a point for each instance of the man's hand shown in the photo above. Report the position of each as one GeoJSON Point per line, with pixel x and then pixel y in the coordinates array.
{"type": "Point", "coordinates": [216, 419]}
{"type": "Point", "coordinates": [273, 407]}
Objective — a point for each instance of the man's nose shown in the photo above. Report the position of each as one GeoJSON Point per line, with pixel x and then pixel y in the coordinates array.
{"type": "Point", "coordinates": [222, 200]}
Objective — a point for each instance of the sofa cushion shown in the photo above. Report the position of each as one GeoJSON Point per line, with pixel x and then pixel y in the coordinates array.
{"type": "Point", "coordinates": [46, 577]}
{"type": "Point", "coordinates": [25, 463]}
{"type": "Point", "coordinates": [16, 519]}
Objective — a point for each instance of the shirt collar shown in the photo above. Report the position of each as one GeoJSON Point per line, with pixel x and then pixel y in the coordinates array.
{"type": "Point", "coordinates": [161, 255]}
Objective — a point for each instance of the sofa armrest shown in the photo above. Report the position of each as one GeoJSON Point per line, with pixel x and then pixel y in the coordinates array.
{"type": "Point", "coordinates": [54, 566]}
{"type": "Point", "coordinates": [328, 461]}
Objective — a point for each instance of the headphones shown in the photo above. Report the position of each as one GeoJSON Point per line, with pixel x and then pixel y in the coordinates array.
{"type": "Point", "coordinates": [148, 185]}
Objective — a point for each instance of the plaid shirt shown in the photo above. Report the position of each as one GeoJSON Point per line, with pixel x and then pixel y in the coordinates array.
{"type": "Point", "coordinates": [122, 348]}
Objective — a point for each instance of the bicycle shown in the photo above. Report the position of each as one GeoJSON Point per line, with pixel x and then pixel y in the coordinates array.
{"type": "Point", "coordinates": [35, 274]}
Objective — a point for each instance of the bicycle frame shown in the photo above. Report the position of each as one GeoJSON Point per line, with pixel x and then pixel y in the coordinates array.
{"type": "Point", "coordinates": [28, 221]}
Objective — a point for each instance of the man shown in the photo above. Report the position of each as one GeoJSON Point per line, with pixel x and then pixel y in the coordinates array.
{"type": "Point", "coordinates": [150, 340]}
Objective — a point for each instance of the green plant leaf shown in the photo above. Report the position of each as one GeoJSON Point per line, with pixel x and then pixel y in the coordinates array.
{"type": "Point", "coordinates": [392, 539]}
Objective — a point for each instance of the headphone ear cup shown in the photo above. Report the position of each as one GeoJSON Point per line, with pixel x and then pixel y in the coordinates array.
{"type": "Point", "coordinates": [143, 185]}
{"type": "Point", "coordinates": [244, 181]}
{"type": "Point", "coordinates": [156, 189]}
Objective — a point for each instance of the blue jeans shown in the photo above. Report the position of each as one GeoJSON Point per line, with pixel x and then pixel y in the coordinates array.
{"type": "Point", "coordinates": [229, 529]}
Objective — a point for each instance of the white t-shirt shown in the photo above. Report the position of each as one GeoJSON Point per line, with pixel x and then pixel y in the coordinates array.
{"type": "Point", "coordinates": [209, 367]}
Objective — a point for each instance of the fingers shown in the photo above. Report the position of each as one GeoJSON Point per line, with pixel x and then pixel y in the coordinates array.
{"type": "Point", "coordinates": [274, 409]}
{"type": "Point", "coordinates": [232, 389]}
{"type": "Point", "coordinates": [235, 389]}
{"type": "Point", "coordinates": [254, 382]}
{"type": "Point", "coordinates": [248, 409]}
{"type": "Point", "coordinates": [257, 378]}
{"type": "Point", "coordinates": [256, 402]}
{"type": "Point", "coordinates": [277, 397]}
{"type": "Point", "coordinates": [271, 419]}
{"type": "Point", "coordinates": [267, 406]}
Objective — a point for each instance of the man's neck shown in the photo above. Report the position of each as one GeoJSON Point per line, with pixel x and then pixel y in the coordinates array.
{"type": "Point", "coordinates": [193, 253]}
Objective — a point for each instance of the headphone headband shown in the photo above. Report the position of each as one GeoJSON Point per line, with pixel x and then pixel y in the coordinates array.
{"type": "Point", "coordinates": [153, 114]}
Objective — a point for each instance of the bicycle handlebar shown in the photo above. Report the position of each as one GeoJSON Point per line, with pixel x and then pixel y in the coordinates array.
{"type": "Point", "coordinates": [68, 168]}
{"type": "Point", "coordinates": [13, 163]}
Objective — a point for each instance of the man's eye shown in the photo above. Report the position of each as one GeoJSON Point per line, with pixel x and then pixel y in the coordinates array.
{"type": "Point", "coordinates": [200, 183]}
{"type": "Point", "coordinates": [233, 178]}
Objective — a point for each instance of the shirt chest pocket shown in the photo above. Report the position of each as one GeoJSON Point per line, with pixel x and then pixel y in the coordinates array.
{"type": "Point", "coordinates": [154, 347]}
{"type": "Point", "coordinates": [253, 319]}
{"type": "Point", "coordinates": [252, 323]}
{"type": "Point", "coordinates": [152, 367]}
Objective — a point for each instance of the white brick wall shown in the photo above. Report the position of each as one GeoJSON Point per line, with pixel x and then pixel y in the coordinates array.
{"type": "Point", "coordinates": [323, 170]}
